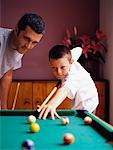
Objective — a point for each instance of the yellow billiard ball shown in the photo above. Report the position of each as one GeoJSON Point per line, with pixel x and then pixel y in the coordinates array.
{"type": "Point", "coordinates": [34, 127]}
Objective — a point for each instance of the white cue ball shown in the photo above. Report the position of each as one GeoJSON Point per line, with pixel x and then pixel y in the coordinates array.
{"type": "Point", "coordinates": [87, 120]}
{"type": "Point", "coordinates": [31, 119]}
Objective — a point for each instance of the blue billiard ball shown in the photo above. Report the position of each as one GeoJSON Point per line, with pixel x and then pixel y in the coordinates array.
{"type": "Point", "coordinates": [28, 145]}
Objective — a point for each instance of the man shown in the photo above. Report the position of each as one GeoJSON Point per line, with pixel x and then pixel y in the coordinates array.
{"type": "Point", "coordinates": [13, 45]}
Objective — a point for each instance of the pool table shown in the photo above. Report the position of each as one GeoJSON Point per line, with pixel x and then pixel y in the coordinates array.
{"type": "Point", "coordinates": [15, 129]}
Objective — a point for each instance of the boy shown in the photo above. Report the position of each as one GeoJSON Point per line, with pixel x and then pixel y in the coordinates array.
{"type": "Point", "coordinates": [13, 45]}
{"type": "Point", "coordinates": [76, 82]}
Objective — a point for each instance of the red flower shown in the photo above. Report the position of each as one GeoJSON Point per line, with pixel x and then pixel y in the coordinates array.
{"type": "Point", "coordinates": [92, 46]}
{"type": "Point", "coordinates": [95, 46]}
{"type": "Point", "coordinates": [101, 36]}
{"type": "Point", "coordinates": [86, 40]}
{"type": "Point", "coordinates": [66, 41]}
{"type": "Point", "coordinates": [86, 50]}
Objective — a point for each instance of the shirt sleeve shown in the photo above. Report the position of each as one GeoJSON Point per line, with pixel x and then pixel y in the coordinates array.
{"type": "Point", "coordinates": [73, 85]}
{"type": "Point", "coordinates": [17, 65]}
{"type": "Point", "coordinates": [76, 53]}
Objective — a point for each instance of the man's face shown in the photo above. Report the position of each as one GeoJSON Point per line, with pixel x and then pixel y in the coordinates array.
{"type": "Point", "coordinates": [26, 40]}
{"type": "Point", "coordinates": [60, 67]}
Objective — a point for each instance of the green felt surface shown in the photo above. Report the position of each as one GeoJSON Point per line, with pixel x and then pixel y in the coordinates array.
{"type": "Point", "coordinates": [15, 129]}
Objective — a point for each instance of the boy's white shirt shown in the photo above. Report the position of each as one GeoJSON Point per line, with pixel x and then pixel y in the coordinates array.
{"type": "Point", "coordinates": [81, 88]}
{"type": "Point", "coordinates": [9, 59]}
{"type": "Point", "coordinates": [76, 53]}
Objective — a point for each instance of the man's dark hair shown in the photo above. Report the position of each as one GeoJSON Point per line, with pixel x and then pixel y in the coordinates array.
{"type": "Point", "coordinates": [59, 51]}
{"type": "Point", "coordinates": [34, 21]}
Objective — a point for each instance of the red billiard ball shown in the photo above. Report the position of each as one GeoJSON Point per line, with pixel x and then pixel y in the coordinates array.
{"type": "Point", "coordinates": [65, 120]}
{"type": "Point", "coordinates": [69, 138]}
{"type": "Point", "coordinates": [28, 145]}
{"type": "Point", "coordinates": [87, 120]}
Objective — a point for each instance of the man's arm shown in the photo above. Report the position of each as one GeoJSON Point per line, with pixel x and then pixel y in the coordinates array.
{"type": "Point", "coordinates": [5, 83]}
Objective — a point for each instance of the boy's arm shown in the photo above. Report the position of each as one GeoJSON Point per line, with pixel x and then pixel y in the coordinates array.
{"type": "Point", "coordinates": [56, 100]}
{"type": "Point", "coordinates": [76, 53]}
{"type": "Point", "coordinates": [5, 83]}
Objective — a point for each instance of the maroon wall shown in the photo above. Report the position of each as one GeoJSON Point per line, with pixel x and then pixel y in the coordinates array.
{"type": "Point", "coordinates": [0, 12]}
{"type": "Point", "coordinates": [58, 15]}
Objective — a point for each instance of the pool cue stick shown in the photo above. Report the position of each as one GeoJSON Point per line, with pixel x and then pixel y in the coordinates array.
{"type": "Point", "coordinates": [16, 94]}
{"type": "Point", "coordinates": [49, 96]}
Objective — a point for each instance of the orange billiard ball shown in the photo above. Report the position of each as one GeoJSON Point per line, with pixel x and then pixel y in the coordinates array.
{"type": "Point", "coordinates": [87, 120]}
{"type": "Point", "coordinates": [69, 138]}
{"type": "Point", "coordinates": [34, 127]}
{"type": "Point", "coordinates": [65, 120]}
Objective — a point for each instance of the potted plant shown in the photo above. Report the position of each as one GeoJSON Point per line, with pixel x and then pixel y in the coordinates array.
{"type": "Point", "coordinates": [94, 50]}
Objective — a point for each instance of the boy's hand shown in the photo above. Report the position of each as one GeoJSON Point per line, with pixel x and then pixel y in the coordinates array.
{"type": "Point", "coordinates": [56, 100]}
{"type": "Point", "coordinates": [49, 108]}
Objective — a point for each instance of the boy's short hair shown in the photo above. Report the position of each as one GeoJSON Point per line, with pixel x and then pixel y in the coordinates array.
{"type": "Point", "coordinates": [34, 21]}
{"type": "Point", "coordinates": [59, 51]}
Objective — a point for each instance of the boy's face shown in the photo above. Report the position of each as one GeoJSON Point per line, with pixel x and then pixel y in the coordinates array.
{"type": "Point", "coordinates": [60, 67]}
{"type": "Point", "coordinates": [26, 40]}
